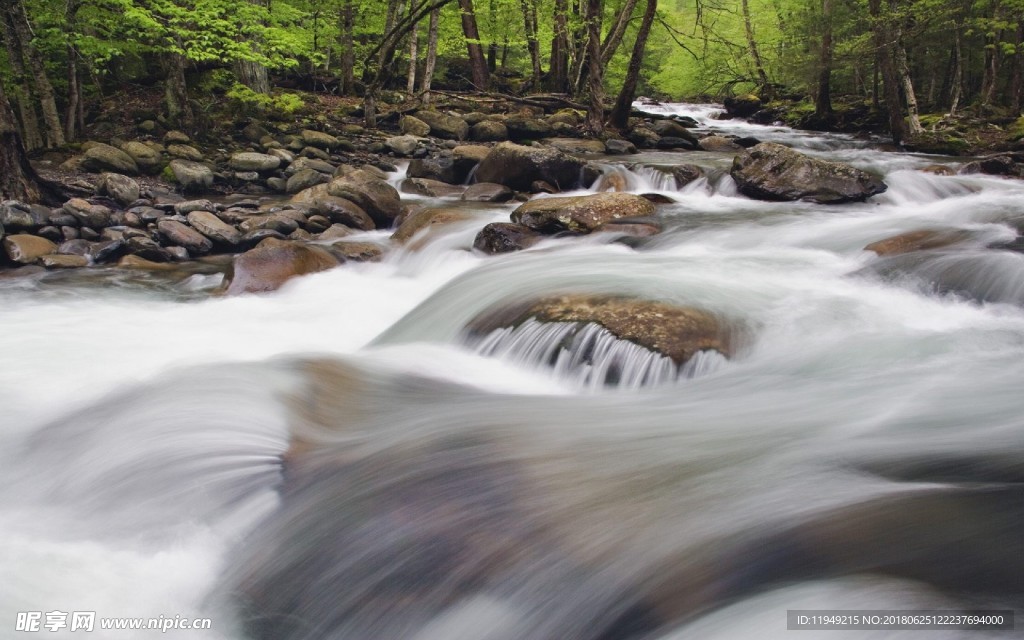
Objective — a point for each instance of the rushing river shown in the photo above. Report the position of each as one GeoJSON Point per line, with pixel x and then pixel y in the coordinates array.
{"type": "Point", "coordinates": [339, 460]}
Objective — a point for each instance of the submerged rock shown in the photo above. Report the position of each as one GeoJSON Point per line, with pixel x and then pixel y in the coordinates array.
{"type": "Point", "coordinates": [772, 171]}
{"type": "Point", "coordinates": [274, 262]}
{"type": "Point", "coordinates": [505, 237]}
{"type": "Point", "coordinates": [676, 332]}
{"type": "Point", "coordinates": [919, 240]}
{"type": "Point", "coordinates": [580, 214]}
{"type": "Point", "coordinates": [425, 218]}
{"type": "Point", "coordinates": [488, 192]}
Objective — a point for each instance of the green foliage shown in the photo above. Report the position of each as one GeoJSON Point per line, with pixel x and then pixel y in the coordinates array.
{"type": "Point", "coordinates": [280, 105]}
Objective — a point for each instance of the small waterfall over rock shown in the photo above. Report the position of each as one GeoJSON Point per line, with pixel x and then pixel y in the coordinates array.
{"type": "Point", "coordinates": [589, 355]}
{"type": "Point", "coordinates": [634, 179]}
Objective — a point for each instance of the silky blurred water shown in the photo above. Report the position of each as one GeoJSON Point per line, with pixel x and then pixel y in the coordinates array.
{"type": "Point", "coordinates": [441, 491]}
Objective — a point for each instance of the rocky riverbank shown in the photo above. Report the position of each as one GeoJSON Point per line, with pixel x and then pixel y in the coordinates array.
{"type": "Point", "coordinates": [162, 198]}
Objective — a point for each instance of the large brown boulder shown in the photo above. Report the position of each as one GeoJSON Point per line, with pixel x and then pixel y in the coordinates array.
{"type": "Point", "coordinates": [273, 262]}
{"type": "Point", "coordinates": [676, 332]}
{"type": "Point", "coordinates": [428, 218]}
{"type": "Point", "coordinates": [148, 159]}
{"type": "Point", "coordinates": [443, 125]}
{"type": "Point", "coordinates": [772, 171]}
{"type": "Point", "coordinates": [374, 196]}
{"type": "Point", "coordinates": [742, 106]}
{"type": "Point", "coordinates": [576, 145]}
{"type": "Point", "coordinates": [25, 249]}
{"type": "Point", "coordinates": [517, 167]}
{"type": "Point", "coordinates": [580, 214]}
{"type": "Point", "coordinates": [181, 235]}
{"type": "Point", "coordinates": [103, 157]}
{"type": "Point", "coordinates": [338, 210]}
{"type": "Point", "coordinates": [214, 228]}
{"type": "Point", "coordinates": [443, 168]}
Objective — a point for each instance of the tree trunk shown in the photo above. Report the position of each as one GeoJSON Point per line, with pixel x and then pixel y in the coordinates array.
{"type": "Point", "coordinates": [74, 96]}
{"type": "Point", "coordinates": [179, 111]}
{"type": "Point", "coordinates": [755, 55]}
{"type": "Point", "coordinates": [530, 22]}
{"type": "Point", "coordinates": [492, 47]}
{"type": "Point", "coordinates": [991, 72]}
{"type": "Point", "coordinates": [30, 134]}
{"type": "Point", "coordinates": [414, 43]}
{"type": "Point", "coordinates": [595, 70]}
{"type": "Point", "coordinates": [823, 103]}
{"type": "Point", "coordinates": [882, 34]}
{"type": "Point", "coordinates": [74, 84]}
{"type": "Point", "coordinates": [559, 64]}
{"type": "Point", "coordinates": [624, 104]}
{"type": "Point", "coordinates": [578, 69]}
{"type": "Point", "coordinates": [380, 59]}
{"type": "Point", "coordinates": [899, 55]}
{"type": "Point", "coordinates": [431, 61]}
{"type": "Point", "coordinates": [346, 19]}
{"type": "Point", "coordinates": [53, 130]}
{"type": "Point", "coordinates": [614, 38]}
{"type": "Point", "coordinates": [1017, 79]}
{"type": "Point", "coordinates": [18, 181]}
{"type": "Point", "coordinates": [478, 65]}
{"type": "Point", "coordinates": [958, 75]}
{"type": "Point", "coordinates": [253, 75]}
{"type": "Point", "coordinates": [250, 73]}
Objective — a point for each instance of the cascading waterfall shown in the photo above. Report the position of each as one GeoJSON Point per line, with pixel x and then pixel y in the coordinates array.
{"type": "Point", "coordinates": [339, 460]}
{"type": "Point", "coordinates": [588, 355]}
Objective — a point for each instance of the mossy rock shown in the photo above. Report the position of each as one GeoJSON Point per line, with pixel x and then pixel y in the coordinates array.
{"type": "Point", "coordinates": [1015, 131]}
{"type": "Point", "coordinates": [940, 143]}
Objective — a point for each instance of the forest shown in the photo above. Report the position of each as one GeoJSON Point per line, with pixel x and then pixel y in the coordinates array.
{"type": "Point", "coordinates": [65, 62]}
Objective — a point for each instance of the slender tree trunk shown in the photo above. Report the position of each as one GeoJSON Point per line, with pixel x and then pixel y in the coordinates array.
{"type": "Point", "coordinates": [30, 134]}
{"type": "Point", "coordinates": [380, 60]}
{"type": "Point", "coordinates": [1017, 79]}
{"type": "Point", "coordinates": [530, 22]}
{"type": "Point", "coordinates": [18, 181]}
{"type": "Point", "coordinates": [579, 70]}
{"type": "Point", "coordinates": [179, 110]}
{"type": "Point", "coordinates": [478, 65]}
{"type": "Point", "coordinates": [559, 64]}
{"type": "Point", "coordinates": [346, 19]}
{"type": "Point", "coordinates": [431, 61]}
{"type": "Point", "coordinates": [414, 43]}
{"type": "Point", "coordinates": [624, 104]}
{"type": "Point", "coordinates": [74, 85]}
{"type": "Point", "coordinates": [755, 54]}
{"type": "Point", "coordinates": [74, 96]}
{"type": "Point", "coordinates": [249, 72]}
{"type": "Point", "coordinates": [957, 76]}
{"type": "Point", "coordinates": [53, 130]}
{"type": "Point", "coordinates": [492, 47]}
{"type": "Point", "coordinates": [614, 38]}
{"type": "Point", "coordinates": [595, 70]}
{"type": "Point", "coordinates": [899, 55]}
{"type": "Point", "coordinates": [882, 34]}
{"type": "Point", "coordinates": [991, 74]}
{"type": "Point", "coordinates": [823, 103]}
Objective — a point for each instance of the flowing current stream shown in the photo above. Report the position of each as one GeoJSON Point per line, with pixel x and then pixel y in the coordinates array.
{"type": "Point", "coordinates": [340, 460]}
